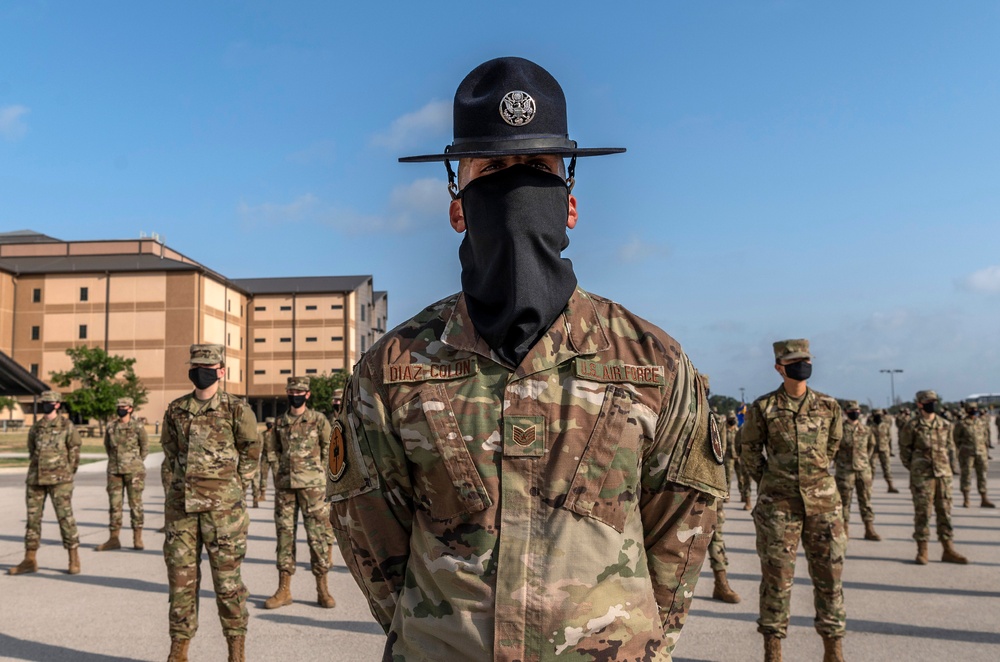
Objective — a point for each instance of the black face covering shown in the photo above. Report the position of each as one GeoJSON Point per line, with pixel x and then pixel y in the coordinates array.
{"type": "Point", "coordinates": [202, 378]}
{"type": "Point", "coordinates": [513, 277]}
{"type": "Point", "coordinates": [877, 419]}
{"type": "Point", "coordinates": [799, 371]}
{"type": "Point", "coordinates": [928, 406]}
{"type": "Point", "coordinates": [296, 401]}
{"type": "Point", "coordinates": [122, 412]}
{"type": "Point", "coordinates": [48, 407]}
{"type": "Point", "coordinates": [853, 415]}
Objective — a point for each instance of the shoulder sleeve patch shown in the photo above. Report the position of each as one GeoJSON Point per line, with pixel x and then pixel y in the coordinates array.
{"type": "Point", "coordinates": [616, 371]}
{"type": "Point", "coordinates": [718, 447]}
{"type": "Point", "coordinates": [338, 454]}
{"type": "Point", "coordinates": [426, 372]}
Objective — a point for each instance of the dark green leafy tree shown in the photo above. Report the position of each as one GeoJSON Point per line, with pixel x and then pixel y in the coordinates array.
{"type": "Point", "coordinates": [7, 402]}
{"type": "Point", "coordinates": [322, 389]}
{"type": "Point", "coordinates": [723, 403]}
{"type": "Point", "coordinates": [99, 379]}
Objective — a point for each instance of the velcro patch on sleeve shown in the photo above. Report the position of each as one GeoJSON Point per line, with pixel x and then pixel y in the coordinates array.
{"type": "Point", "coordinates": [614, 371]}
{"type": "Point", "coordinates": [401, 373]}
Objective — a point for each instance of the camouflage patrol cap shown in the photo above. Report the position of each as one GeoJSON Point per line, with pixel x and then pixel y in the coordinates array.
{"type": "Point", "coordinates": [51, 396]}
{"type": "Point", "coordinates": [971, 406]}
{"type": "Point", "coordinates": [852, 405]}
{"type": "Point", "coordinates": [338, 394]}
{"type": "Point", "coordinates": [124, 402]}
{"type": "Point", "coordinates": [731, 417]}
{"type": "Point", "coordinates": [923, 396]}
{"type": "Point", "coordinates": [206, 354]}
{"type": "Point", "coordinates": [269, 419]}
{"type": "Point", "coordinates": [297, 384]}
{"type": "Point", "coordinates": [787, 350]}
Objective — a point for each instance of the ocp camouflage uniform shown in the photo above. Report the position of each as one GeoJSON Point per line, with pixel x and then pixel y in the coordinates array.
{"type": "Point", "coordinates": [494, 512]}
{"type": "Point", "coordinates": [127, 445]}
{"type": "Point", "coordinates": [928, 452]}
{"type": "Point", "coordinates": [301, 444]}
{"type": "Point", "coordinates": [971, 439]}
{"type": "Point", "coordinates": [267, 459]}
{"type": "Point", "coordinates": [853, 469]}
{"type": "Point", "coordinates": [797, 497]}
{"type": "Point", "coordinates": [54, 450]}
{"type": "Point", "coordinates": [717, 557]}
{"type": "Point", "coordinates": [743, 480]}
{"type": "Point", "coordinates": [883, 446]}
{"type": "Point", "coordinates": [213, 452]}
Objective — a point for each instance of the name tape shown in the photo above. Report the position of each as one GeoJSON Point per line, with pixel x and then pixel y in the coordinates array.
{"type": "Point", "coordinates": [425, 372]}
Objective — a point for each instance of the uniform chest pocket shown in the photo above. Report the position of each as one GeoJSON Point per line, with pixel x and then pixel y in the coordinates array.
{"type": "Point", "coordinates": [606, 484]}
{"type": "Point", "coordinates": [782, 436]}
{"type": "Point", "coordinates": [211, 452]}
{"type": "Point", "coordinates": [446, 482]}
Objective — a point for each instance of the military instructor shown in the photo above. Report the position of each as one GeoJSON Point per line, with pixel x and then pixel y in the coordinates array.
{"type": "Point", "coordinates": [524, 470]}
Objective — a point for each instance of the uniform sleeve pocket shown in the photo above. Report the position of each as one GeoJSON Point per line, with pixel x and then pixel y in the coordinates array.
{"type": "Point", "coordinates": [605, 486]}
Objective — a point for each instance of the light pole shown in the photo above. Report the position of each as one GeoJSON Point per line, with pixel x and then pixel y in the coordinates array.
{"type": "Point", "coordinates": [892, 382]}
{"type": "Point", "coordinates": [742, 399]}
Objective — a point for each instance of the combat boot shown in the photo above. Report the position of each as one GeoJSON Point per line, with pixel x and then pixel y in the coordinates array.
{"type": "Point", "coordinates": [772, 648]}
{"type": "Point", "coordinates": [162, 529]}
{"type": "Point", "coordinates": [833, 649]}
{"type": "Point", "coordinates": [237, 652]}
{"type": "Point", "coordinates": [950, 555]}
{"type": "Point", "coordinates": [137, 538]}
{"type": "Point", "coordinates": [847, 529]}
{"type": "Point", "coordinates": [746, 503]}
{"type": "Point", "coordinates": [263, 494]}
{"type": "Point", "coordinates": [323, 597]}
{"type": "Point", "coordinates": [283, 596]}
{"type": "Point", "coordinates": [722, 590]}
{"type": "Point", "coordinates": [74, 561]}
{"type": "Point", "coordinates": [178, 650]}
{"type": "Point", "coordinates": [892, 488]}
{"type": "Point", "coordinates": [965, 498]}
{"type": "Point", "coordinates": [29, 564]}
{"type": "Point", "coordinates": [111, 543]}
{"type": "Point", "coordinates": [870, 533]}
{"type": "Point", "coordinates": [256, 501]}
{"type": "Point", "coordinates": [986, 502]}
{"type": "Point", "coordinates": [921, 552]}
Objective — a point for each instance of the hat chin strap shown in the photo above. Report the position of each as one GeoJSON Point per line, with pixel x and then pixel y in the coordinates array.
{"type": "Point", "coordinates": [453, 187]}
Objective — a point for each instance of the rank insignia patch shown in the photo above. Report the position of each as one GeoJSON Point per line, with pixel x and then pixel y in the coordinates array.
{"type": "Point", "coordinates": [338, 454]}
{"type": "Point", "coordinates": [522, 436]}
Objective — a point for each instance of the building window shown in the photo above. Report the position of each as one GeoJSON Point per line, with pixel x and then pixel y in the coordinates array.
{"type": "Point", "coordinates": [259, 372]}
{"type": "Point", "coordinates": [337, 338]}
{"type": "Point", "coordinates": [310, 307]}
{"type": "Point", "coordinates": [241, 342]}
{"type": "Point", "coordinates": [83, 332]}
{"type": "Point", "coordinates": [34, 369]}
{"type": "Point", "coordinates": [259, 309]}
{"type": "Point", "coordinates": [36, 295]}
{"type": "Point", "coordinates": [258, 339]}
{"type": "Point", "coordinates": [336, 306]}
{"type": "Point", "coordinates": [362, 341]}
{"type": "Point", "coordinates": [36, 332]}
{"type": "Point", "coordinates": [310, 340]}
{"type": "Point", "coordinates": [229, 340]}
{"type": "Point", "coordinates": [286, 372]}
{"type": "Point", "coordinates": [84, 294]}
{"type": "Point", "coordinates": [229, 305]}
{"type": "Point", "coordinates": [286, 308]}
{"type": "Point", "coordinates": [362, 313]}
{"type": "Point", "coordinates": [310, 371]}
{"type": "Point", "coordinates": [286, 340]}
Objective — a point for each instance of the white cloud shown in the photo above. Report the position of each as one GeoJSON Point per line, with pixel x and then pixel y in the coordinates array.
{"type": "Point", "coordinates": [639, 250]}
{"type": "Point", "coordinates": [268, 212]}
{"type": "Point", "coordinates": [985, 281]}
{"type": "Point", "coordinates": [12, 124]}
{"type": "Point", "coordinates": [417, 127]}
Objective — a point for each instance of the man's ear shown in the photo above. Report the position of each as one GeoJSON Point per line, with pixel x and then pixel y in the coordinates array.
{"type": "Point", "coordinates": [457, 218]}
{"type": "Point", "coordinates": [573, 215]}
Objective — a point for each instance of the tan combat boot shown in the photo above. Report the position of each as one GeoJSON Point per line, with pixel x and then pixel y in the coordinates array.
{"type": "Point", "coordinates": [263, 494]}
{"type": "Point", "coordinates": [74, 561]}
{"type": "Point", "coordinates": [746, 504]}
{"type": "Point", "coordinates": [111, 543]}
{"type": "Point", "coordinates": [237, 652]}
{"type": "Point", "coordinates": [892, 488]}
{"type": "Point", "coordinates": [986, 502]}
{"type": "Point", "coordinates": [137, 538]}
{"type": "Point", "coordinates": [950, 555]}
{"type": "Point", "coordinates": [833, 650]}
{"type": "Point", "coordinates": [256, 501]}
{"type": "Point", "coordinates": [178, 650]}
{"type": "Point", "coordinates": [323, 597]}
{"type": "Point", "coordinates": [965, 498]}
{"type": "Point", "coordinates": [870, 533]}
{"type": "Point", "coordinates": [772, 648]}
{"type": "Point", "coordinates": [162, 529]}
{"type": "Point", "coordinates": [722, 590]}
{"type": "Point", "coordinates": [283, 596]}
{"type": "Point", "coordinates": [921, 552]}
{"type": "Point", "coordinates": [29, 564]}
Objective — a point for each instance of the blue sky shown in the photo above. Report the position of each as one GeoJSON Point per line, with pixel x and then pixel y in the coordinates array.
{"type": "Point", "coordinates": [822, 170]}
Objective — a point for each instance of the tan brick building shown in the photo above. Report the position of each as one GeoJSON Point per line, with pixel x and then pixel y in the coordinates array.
{"type": "Point", "coordinates": [141, 299]}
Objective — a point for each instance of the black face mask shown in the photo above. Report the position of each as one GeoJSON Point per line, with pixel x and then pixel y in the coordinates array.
{"type": "Point", "coordinates": [854, 415]}
{"type": "Point", "coordinates": [202, 378]}
{"type": "Point", "coordinates": [48, 407]}
{"type": "Point", "coordinates": [877, 419]}
{"type": "Point", "coordinates": [122, 412]}
{"type": "Point", "coordinates": [799, 371]}
{"type": "Point", "coordinates": [928, 406]}
{"type": "Point", "coordinates": [514, 280]}
{"type": "Point", "coordinates": [296, 401]}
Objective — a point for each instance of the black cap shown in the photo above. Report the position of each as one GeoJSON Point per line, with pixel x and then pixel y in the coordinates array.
{"type": "Point", "coordinates": [510, 106]}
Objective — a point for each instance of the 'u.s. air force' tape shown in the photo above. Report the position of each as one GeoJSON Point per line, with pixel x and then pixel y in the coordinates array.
{"type": "Point", "coordinates": [649, 375]}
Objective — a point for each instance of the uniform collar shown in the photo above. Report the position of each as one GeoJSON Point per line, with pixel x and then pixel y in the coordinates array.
{"type": "Point", "coordinates": [195, 406]}
{"type": "Point", "coordinates": [785, 401]}
{"type": "Point", "coordinates": [578, 330]}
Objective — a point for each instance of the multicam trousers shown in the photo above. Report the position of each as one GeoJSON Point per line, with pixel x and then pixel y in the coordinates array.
{"type": "Point", "coordinates": [862, 480]}
{"type": "Point", "coordinates": [717, 547]}
{"type": "Point", "coordinates": [133, 484]}
{"type": "Point", "coordinates": [981, 465]}
{"type": "Point", "coordinates": [743, 481]}
{"type": "Point", "coordinates": [260, 480]}
{"type": "Point", "coordinates": [316, 517]}
{"type": "Point", "coordinates": [62, 501]}
{"type": "Point", "coordinates": [929, 490]}
{"type": "Point", "coordinates": [779, 528]}
{"type": "Point", "coordinates": [224, 534]}
{"type": "Point", "coordinates": [883, 459]}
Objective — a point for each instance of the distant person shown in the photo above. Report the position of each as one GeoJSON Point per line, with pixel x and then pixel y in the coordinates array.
{"type": "Point", "coordinates": [928, 453]}
{"type": "Point", "coordinates": [211, 444]}
{"type": "Point", "coordinates": [54, 457]}
{"type": "Point", "coordinates": [789, 438]}
{"type": "Point", "coordinates": [300, 444]}
{"type": "Point", "coordinates": [971, 438]}
{"type": "Point", "coordinates": [881, 427]}
{"type": "Point", "coordinates": [717, 558]}
{"type": "Point", "coordinates": [266, 462]}
{"type": "Point", "coordinates": [854, 469]}
{"type": "Point", "coordinates": [743, 480]}
{"type": "Point", "coordinates": [127, 445]}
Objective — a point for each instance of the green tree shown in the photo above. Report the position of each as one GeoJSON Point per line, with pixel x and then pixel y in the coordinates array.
{"type": "Point", "coordinates": [7, 402]}
{"type": "Point", "coordinates": [322, 389]}
{"type": "Point", "coordinates": [723, 403]}
{"type": "Point", "coordinates": [99, 379]}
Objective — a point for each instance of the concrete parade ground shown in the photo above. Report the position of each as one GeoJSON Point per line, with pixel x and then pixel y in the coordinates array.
{"type": "Point", "coordinates": [116, 609]}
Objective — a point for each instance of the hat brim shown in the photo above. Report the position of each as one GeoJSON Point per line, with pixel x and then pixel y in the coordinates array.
{"type": "Point", "coordinates": [456, 154]}
{"type": "Point", "coordinates": [794, 355]}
